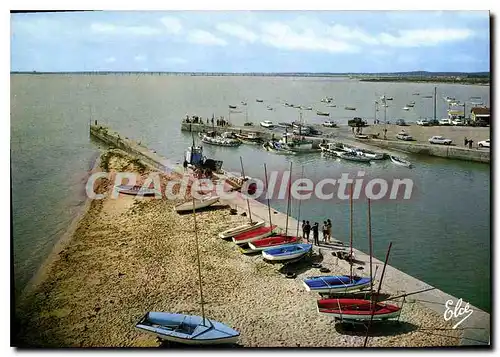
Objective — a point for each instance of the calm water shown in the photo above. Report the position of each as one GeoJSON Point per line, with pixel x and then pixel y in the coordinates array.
{"type": "Point", "coordinates": [442, 235]}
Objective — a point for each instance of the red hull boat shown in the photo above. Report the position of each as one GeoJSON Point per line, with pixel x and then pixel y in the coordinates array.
{"type": "Point", "coordinates": [274, 241]}
{"type": "Point", "coordinates": [357, 309]}
{"type": "Point", "coordinates": [254, 234]}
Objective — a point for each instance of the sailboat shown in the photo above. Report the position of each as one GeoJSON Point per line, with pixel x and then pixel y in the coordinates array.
{"type": "Point", "coordinates": [188, 329]}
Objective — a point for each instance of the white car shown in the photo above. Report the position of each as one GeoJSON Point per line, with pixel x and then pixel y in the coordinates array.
{"type": "Point", "coordinates": [458, 122]}
{"type": "Point", "coordinates": [444, 121]}
{"type": "Point", "coordinates": [423, 122]}
{"type": "Point", "coordinates": [439, 140]}
{"type": "Point", "coordinates": [267, 124]}
{"type": "Point", "coordinates": [329, 124]}
{"type": "Point", "coordinates": [404, 136]}
{"type": "Point", "coordinates": [484, 143]}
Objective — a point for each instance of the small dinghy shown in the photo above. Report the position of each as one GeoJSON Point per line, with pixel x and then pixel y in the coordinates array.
{"type": "Point", "coordinates": [273, 241]}
{"type": "Point", "coordinates": [135, 190]}
{"type": "Point", "coordinates": [335, 284]}
{"type": "Point", "coordinates": [187, 329]}
{"type": "Point", "coordinates": [286, 252]}
{"type": "Point", "coordinates": [240, 229]}
{"type": "Point", "coordinates": [399, 161]}
{"type": "Point", "coordinates": [254, 234]}
{"type": "Point", "coordinates": [325, 114]}
{"type": "Point", "coordinates": [353, 156]}
{"type": "Point", "coordinates": [357, 309]}
{"type": "Point", "coordinates": [198, 204]}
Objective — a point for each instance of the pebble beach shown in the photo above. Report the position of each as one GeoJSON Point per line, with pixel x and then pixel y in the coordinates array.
{"type": "Point", "coordinates": [129, 255]}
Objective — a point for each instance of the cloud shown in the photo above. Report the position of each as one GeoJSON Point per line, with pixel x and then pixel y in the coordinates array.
{"type": "Point", "coordinates": [237, 31]}
{"type": "Point", "coordinates": [282, 36]}
{"type": "Point", "coordinates": [424, 37]}
{"type": "Point", "coordinates": [175, 60]}
{"type": "Point", "coordinates": [140, 58]}
{"type": "Point", "coordinates": [202, 37]}
{"type": "Point", "coordinates": [110, 29]}
{"type": "Point", "coordinates": [110, 60]}
{"type": "Point", "coordinates": [172, 24]}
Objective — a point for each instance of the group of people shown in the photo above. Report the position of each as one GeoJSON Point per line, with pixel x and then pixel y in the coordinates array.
{"type": "Point", "coordinates": [326, 228]}
{"type": "Point", "coordinates": [199, 120]}
{"type": "Point", "coordinates": [468, 142]}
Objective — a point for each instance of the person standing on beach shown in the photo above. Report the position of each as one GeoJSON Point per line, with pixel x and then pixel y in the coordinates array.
{"type": "Point", "coordinates": [329, 229]}
{"type": "Point", "coordinates": [307, 230]}
{"type": "Point", "coordinates": [470, 143]}
{"type": "Point", "coordinates": [185, 165]}
{"type": "Point", "coordinates": [325, 231]}
{"type": "Point", "coordinates": [303, 228]}
{"type": "Point", "coordinates": [465, 141]}
{"type": "Point", "coordinates": [315, 230]}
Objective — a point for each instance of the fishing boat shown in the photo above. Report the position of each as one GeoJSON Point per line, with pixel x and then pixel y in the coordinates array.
{"type": "Point", "coordinates": [323, 113]}
{"type": "Point", "coordinates": [349, 108]}
{"type": "Point", "coordinates": [136, 190]}
{"type": "Point", "coordinates": [353, 156]}
{"type": "Point", "coordinates": [399, 161]}
{"type": "Point", "coordinates": [335, 283]}
{"type": "Point", "coordinates": [267, 124]}
{"type": "Point", "coordinates": [278, 148]}
{"type": "Point", "coordinates": [274, 241]}
{"type": "Point", "coordinates": [247, 227]}
{"type": "Point", "coordinates": [187, 329]}
{"type": "Point", "coordinates": [296, 143]}
{"type": "Point", "coordinates": [184, 328]}
{"type": "Point", "coordinates": [204, 202]}
{"type": "Point", "coordinates": [286, 252]}
{"type": "Point", "coordinates": [225, 139]}
{"type": "Point", "coordinates": [254, 234]}
{"type": "Point", "coordinates": [357, 309]}
{"type": "Point", "coordinates": [249, 138]}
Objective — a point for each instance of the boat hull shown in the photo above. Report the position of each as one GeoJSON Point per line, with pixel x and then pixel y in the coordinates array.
{"type": "Point", "coordinates": [356, 309]}
{"type": "Point", "coordinates": [286, 252]}
{"type": "Point", "coordinates": [252, 235]}
{"type": "Point", "coordinates": [335, 284]}
{"type": "Point", "coordinates": [136, 190]}
{"type": "Point", "coordinates": [269, 242]}
{"type": "Point", "coordinates": [198, 204]}
{"type": "Point", "coordinates": [354, 158]}
{"type": "Point", "coordinates": [400, 162]}
{"type": "Point", "coordinates": [240, 229]}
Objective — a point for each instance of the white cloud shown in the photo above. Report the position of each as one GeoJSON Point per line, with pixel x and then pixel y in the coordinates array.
{"type": "Point", "coordinates": [111, 29]}
{"type": "Point", "coordinates": [424, 37]}
{"type": "Point", "coordinates": [280, 35]}
{"type": "Point", "coordinates": [202, 37]}
{"type": "Point", "coordinates": [172, 24]}
{"type": "Point", "coordinates": [110, 60]}
{"type": "Point", "coordinates": [140, 58]}
{"type": "Point", "coordinates": [237, 31]}
{"type": "Point", "coordinates": [175, 60]}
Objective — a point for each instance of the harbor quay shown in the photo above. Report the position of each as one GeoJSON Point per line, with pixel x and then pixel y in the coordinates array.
{"type": "Point", "coordinates": [475, 329]}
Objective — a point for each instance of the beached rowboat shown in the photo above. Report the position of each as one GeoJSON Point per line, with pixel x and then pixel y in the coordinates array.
{"type": "Point", "coordinates": [198, 204]}
{"type": "Point", "coordinates": [274, 241]}
{"type": "Point", "coordinates": [136, 190]}
{"type": "Point", "coordinates": [335, 283]}
{"type": "Point", "coordinates": [357, 309]}
{"type": "Point", "coordinates": [187, 329]}
{"type": "Point", "coordinates": [240, 229]}
{"type": "Point", "coordinates": [286, 252]}
{"type": "Point", "coordinates": [254, 234]}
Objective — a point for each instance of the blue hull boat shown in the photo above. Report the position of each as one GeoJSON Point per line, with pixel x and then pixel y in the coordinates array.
{"type": "Point", "coordinates": [287, 252]}
{"type": "Point", "coordinates": [187, 329]}
{"type": "Point", "coordinates": [335, 283]}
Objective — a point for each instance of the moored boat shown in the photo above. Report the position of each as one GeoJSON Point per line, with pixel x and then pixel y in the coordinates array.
{"type": "Point", "coordinates": [250, 138]}
{"type": "Point", "coordinates": [286, 252]}
{"type": "Point", "coordinates": [187, 329]}
{"type": "Point", "coordinates": [254, 234]}
{"type": "Point", "coordinates": [229, 233]}
{"type": "Point", "coordinates": [335, 283]}
{"type": "Point", "coordinates": [349, 108]}
{"type": "Point", "coordinates": [399, 161]}
{"type": "Point", "coordinates": [323, 113]}
{"type": "Point", "coordinates": [198, 204]}
{"type": "Point", "coordinates": [277, 148]}
{"type": "Point", "coordinates": [232, 107]}
{"type": "Point", "coordinates": [353, 156]}
{"type": "Point", "coordinates": [259, 100]}
{"type": "Point", "coordinates": [357, 309]}
{"type": "Point", "coordinates": [370, 154]}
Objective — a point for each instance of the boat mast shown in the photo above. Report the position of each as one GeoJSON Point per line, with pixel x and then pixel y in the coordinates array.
{"type": "Point", "coordinates": [248, 201]}
{"type": "Point", "coordinates": [199, 263]}
{"type": "Point", "coordinates": [435, 103]}
{"type": "Point", "coordinates": [300, 202]}
{"type": "Point", "coordinates": [289, 196]}
{"type": "Point", "coordinates": [371, 244]}
{"type": "Point", "coordinates": [350, 227]}
{"type": "Point", "coordinates": [267, 194]}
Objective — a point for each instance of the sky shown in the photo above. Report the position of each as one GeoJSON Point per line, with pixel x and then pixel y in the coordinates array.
{"type": "Point", "coordinates": [251, 41]}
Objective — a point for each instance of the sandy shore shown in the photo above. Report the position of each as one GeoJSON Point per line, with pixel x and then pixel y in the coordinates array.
{"type": "Point", "coordinates": [129, 256]}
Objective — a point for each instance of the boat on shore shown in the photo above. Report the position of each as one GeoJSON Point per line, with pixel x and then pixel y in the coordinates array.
{"type": "Point", "coordinates": [136, 190]}
{"type": "Point", "coordinates": [357, 309]}
{"type": "Point", "coordinates": [400, 161]}
{"type": "Point", "coordinates": [286, 252]}
{"type": "Point", "coordinates": [247, 227]}
{"type": "Point", "coordinates": [335, 283]}
{"type": "Point", "coordinates": [254, 234]}
{"type": "Point", "coordinates": [273, 241]}
{"type": "Point", "coordinates": [198, 204]}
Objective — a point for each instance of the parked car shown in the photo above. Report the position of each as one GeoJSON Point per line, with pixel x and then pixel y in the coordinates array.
{"type": "Point", "coordinates": [433, 122]}
{"type": "Point", "coordinates": [329, 124]}
{"type": "Point", "coordinates": [445, 122]}
{"type": "Point", "coordinates": [423, 122]}
{"type": "Point", "coordinates": [404, 136]}
{"type": "Point", "coordinates": [484, 143]}
{"type": "Point", "coordinates": [400, 122]}
{"type": "Point", "coordinates": [458, 121]}
{"type": "Point", "coordinates": [439, 140]}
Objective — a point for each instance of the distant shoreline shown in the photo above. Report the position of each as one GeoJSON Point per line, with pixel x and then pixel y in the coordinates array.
{"type": "Point", "coordinates": [467, 81]}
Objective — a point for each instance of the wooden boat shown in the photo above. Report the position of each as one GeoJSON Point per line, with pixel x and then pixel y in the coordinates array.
{"type": "Point", "coordinates": [249, 138]}
{"type": "Point", "coordinates": [187, 329]}
{"type": "Point", "coordinates": [136, 190]}
{"type": "Point", "coordinates": [399, 161]}
{"type": "Point", "coordinates": [254, 234]}
{"type": "Point", "coordinates": [240, 229]}
{"type": "Point", "coordinates": [278, 148]}
{"type": "Point", "coordinates": [286, 252]}
{"type": "Point", "coordinates": [353, 156]}
{"type": "Point", "coordinates": [273, 241]}
{"type": "Point", "coordinates": [370, 154]}
{"type": "Point", "coordinates": [198, 204]}
{"type": "Point", "coordinates": [335, 283]}
{"type": "Point", "coordinates": [323, 114]}
{"type": "Point", "coordinates": [357, 309]}
{"type": "Point", "coordinates": [350, 108]}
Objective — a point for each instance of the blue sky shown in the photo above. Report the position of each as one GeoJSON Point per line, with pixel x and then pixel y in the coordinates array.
{"type": "Point", "coordinates": [251, 41]}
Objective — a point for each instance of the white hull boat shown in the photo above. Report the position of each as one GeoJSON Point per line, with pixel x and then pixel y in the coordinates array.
{"type": "Point", "coordinates": [198, 204]}
{"type": "Point", "coordinates": [240, 229]}
{"type": "Point", "coordinates": [399, 161]}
